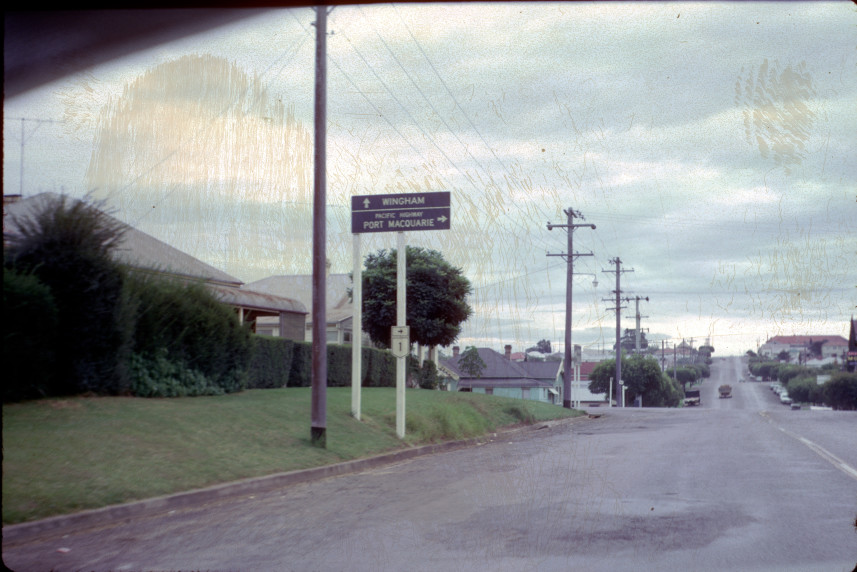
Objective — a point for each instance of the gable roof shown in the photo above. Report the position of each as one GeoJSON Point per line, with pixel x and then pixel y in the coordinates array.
{"type": "Point", "coordinates": [142, 251]}
{"type": "Point", "coordinates": [299, 287]}
{"type": "Point", "coordinates": [136, 248]}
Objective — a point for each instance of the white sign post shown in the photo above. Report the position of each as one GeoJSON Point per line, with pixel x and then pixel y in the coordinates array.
{"type": "Point", "coordinates": [401, 313]}
{"type": "Point", "coordinates": [357, 330]}
{"type": "Point", "coordinates": [391, 213]}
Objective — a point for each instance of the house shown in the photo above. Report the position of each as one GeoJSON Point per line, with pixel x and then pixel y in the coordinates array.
{"type": "Point", "coordinates": [339, 311]}
{"type": "Point", "coordinates": [798, 347]}
{"type": "Point", "coordinates": [502, 376]}
{"type": "Point", "coordinates": [146, 254]}
{"type": "Point", "coordinates": [580, 389]}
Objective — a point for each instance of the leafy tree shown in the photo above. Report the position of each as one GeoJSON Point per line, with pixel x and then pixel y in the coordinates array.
{"type": "Point", "coordinates": [751, 354]}
{"type": "Point", "coordinates": [814, 348]}
{"type": "Point", "coordinates": [470, 363]}
{"type": "Point", "coordinates": [67, 245]}
{"type": "Point", "coordinates": [436, 297]}
{"type": "Point", "coordinates": [642, 376]}
{"type": "Point", "coordinates": [543, 346]}
{"type": "Point", "coordinates": [784, 356]}
{"type": "Point", "coordinates": [684, 375]}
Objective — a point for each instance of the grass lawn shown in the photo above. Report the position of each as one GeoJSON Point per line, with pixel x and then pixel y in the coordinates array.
{"type": "Point", "coordinates": [65, 455]}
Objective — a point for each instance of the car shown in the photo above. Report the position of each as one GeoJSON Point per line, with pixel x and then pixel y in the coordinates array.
{"type": "Point", "coordinates": [784, 398]}
{"type": "Point", "coordinates": [795, 406]}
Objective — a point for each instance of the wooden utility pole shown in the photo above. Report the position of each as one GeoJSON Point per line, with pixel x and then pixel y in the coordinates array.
{"type": "Point", "coordinates": [318, 429]}
{"type": "Point", "coordinates": [618, 309]}
{"type": "Point", "coordinates": [569, 257]}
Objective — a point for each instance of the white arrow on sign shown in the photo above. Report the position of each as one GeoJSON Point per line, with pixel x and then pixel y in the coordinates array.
{"type": "Point", "coordinates": [365, 203]}
{"type": "Point", "coordinates": [442, 218]}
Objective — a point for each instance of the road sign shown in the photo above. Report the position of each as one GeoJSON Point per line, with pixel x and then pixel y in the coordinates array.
{"type": "Point", "coordinates": [400, 341]}
{"type": "Point", "coordinates": [400, 212]}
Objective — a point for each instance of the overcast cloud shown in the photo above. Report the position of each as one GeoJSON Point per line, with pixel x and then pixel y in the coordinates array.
{"type": "Point", "coordinates": [712, 144]}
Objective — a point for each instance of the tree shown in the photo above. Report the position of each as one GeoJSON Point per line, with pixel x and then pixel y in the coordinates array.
{"type": "Point", "coordinates": [470, 363]}
{"type": "Point", "coordinates": [642, 376]}
{"type": "Point", "coordinates": [784, 356]}
{"type": "Point", "coordinates": [67, 245]}
{"type": "Point", "coordinates": [543, 346]}
{"type": "Point", "coordinates": [436, 297]}
{"type": "Point", "coordinates": [684, 375]}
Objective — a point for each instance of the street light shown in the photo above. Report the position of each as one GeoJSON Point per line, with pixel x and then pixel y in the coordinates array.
{"type": "Point", "coordinates": [594, 277]}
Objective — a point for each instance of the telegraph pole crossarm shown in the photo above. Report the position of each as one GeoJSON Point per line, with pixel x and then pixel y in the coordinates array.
{"type": "Point", "coordinates": [569, 258]}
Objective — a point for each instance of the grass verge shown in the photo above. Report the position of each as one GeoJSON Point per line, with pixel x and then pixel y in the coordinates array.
{"type": "Point", "coordinates": [65, 455]}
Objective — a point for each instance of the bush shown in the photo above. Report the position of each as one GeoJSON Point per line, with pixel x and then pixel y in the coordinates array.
{"type": "Point", "coordinates": [30, 320]}
{"type": "Point", "coordinates": [67, 245]}
{"type": "Point", "coordinates": [805, 389]}
{"type": "Point", "coordinates": [271, 363]}
{"type": "Point", "coordinates": [186, 324]}
{"type": "Point", "coordinates": [841, 391]}
{"type": "Point", "coordinates": [160, 376]}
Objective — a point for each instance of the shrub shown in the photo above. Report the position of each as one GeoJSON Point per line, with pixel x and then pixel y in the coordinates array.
{"type": "Point", "coordinates": [30, 320]}
{"type": "Point", "coordinates": [271, 363]}
{"type": "Point", "coordinates": [805, 389]}
{"type": "Point", "coordinates": [841, 391]}
{"type": "Point", "coordinates": [160, 376]}
{"type": "Point", "coordinates": [338, 365]}
{"type": "Point", "coordinates": [67, 245]}
{"type": "Point", "coordinates": [186, 324]}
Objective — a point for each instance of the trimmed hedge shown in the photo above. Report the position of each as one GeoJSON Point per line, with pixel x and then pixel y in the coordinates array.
{"type": "Point", "coordinates": [279, 362]}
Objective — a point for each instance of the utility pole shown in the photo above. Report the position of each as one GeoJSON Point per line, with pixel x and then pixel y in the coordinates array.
{"type": "Point", "coordinates": [569, 257]}
{"type": "Point", "coordinates": [618, 308]}
{"type": "Point", "coordinates": [638, 316]}
{"type": "Point", "coordinates": [318, 422]}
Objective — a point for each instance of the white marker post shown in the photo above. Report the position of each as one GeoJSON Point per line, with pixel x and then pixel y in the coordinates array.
{"type": "Point", "coordinates": [401, 318]}
{"type": "Point", "coordinates": [357, 330]}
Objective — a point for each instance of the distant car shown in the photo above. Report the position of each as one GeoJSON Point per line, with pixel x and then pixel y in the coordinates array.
{"type": "Point", "coordinates": [784, 398]}
{"type": "Point", "coordinates": [795, 405]}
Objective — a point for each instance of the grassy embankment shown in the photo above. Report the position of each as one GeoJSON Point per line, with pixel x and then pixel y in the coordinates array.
{"type": "Point", "coordinates": [66, 455]}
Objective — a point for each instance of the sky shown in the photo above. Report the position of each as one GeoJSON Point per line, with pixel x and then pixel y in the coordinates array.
{"type": "Point", "coordinates": [713, 145]}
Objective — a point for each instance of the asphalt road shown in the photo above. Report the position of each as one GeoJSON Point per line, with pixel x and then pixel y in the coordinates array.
{"type": "Point", "coordinates": [736, 484]}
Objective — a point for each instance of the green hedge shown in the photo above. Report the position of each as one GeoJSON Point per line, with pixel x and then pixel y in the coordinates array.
{"type": "Point", "coordinates": [30, 320]}
{"type": "Point", "coordinates": [278, 362]}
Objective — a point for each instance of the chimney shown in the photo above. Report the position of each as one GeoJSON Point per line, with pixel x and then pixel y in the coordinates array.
{"type": "Point", "coordinates": [455, 350]}
{"type": "Point", "coordinates": [508, 352]}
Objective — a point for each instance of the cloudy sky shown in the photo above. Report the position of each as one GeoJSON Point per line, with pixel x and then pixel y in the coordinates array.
{"type": "Point", "coordinates": [714, 146]}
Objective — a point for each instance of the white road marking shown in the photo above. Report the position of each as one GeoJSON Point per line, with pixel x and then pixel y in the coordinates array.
{"type": "Point", "coordinates": [817, 449]}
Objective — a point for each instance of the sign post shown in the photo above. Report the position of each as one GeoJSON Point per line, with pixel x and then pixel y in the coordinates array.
{"type": "Point", "coordinates": [391, 213]}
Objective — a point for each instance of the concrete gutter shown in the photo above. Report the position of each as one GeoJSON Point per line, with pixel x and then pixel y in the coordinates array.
{"type": "Point", "coordinates": [16, 534]}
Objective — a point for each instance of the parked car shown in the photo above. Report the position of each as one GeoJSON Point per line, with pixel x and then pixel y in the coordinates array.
{"type": "Point", "coordinates": [784, 398]}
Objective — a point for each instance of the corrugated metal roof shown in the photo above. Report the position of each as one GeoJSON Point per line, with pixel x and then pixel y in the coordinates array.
{"type": "Point", "coordinates": [256, 300]}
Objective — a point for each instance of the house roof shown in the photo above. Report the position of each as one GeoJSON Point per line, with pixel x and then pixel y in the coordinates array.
{"type": "Point", "coordinates": [145, 252]}
{"type": "Point", "coordinates": [136, 248]}
{"type": "Point", "coordinates": [497, 367]}
{"type": "Point", "coordinates": [541, 369]}
{"type": "Point", "coordinates": [299, 287]}
{"type": "Point", "coordinates": [806, 340]}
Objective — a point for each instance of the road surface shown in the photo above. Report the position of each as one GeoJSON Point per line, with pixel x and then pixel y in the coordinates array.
{"type": "Point", "coordinates": [736, 484]}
